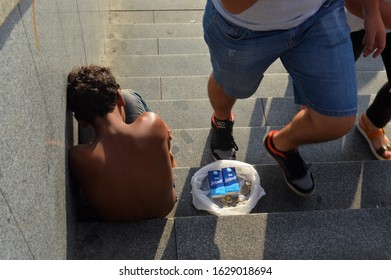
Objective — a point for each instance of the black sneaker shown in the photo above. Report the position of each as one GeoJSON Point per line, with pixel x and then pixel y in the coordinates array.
{"type": "Point", "coordinates": [222, 142]}
{"type": "Point", "coordinates": [297, 175]}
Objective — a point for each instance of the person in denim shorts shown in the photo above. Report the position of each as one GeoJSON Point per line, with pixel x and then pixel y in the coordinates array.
{"type": "Point", "coordinates": [311, 38]}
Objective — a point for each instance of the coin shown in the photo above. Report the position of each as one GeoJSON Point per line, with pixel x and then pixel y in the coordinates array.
{"type": "Point", "coordinates": [245, 190]}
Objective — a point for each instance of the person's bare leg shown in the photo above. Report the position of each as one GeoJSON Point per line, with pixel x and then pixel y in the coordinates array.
{"type": "Point", "coordinates": [309, 127]}
{"type": "Point", "coordinates": [221, 103]}
{"type": "Point", "coordinates": [222, 143]}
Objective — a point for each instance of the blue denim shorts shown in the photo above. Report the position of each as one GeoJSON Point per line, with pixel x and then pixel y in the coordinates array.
{"type": "Point", "coordinates": [317, 54]}
{"type": "Point", "coordinates": [134, 105]}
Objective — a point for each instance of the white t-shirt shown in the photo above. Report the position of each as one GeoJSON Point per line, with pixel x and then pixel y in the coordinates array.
{"type": "Point", "coordinates": [357, 23]}
{"type": "Point", "coordinates": [272, 14]}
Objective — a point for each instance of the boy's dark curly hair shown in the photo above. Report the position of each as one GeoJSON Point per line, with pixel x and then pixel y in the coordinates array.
{"type": "Point", "coordinates": [91, 91]}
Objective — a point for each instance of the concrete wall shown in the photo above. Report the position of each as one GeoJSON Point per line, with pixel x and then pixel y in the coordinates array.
{"type": "Point", "coordinates": [36, 214]}
{"type": "Point", "coordinates": [6, 6]}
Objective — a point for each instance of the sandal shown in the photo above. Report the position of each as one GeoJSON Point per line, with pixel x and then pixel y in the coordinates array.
{"type": "Point", "coordinates": [369, 136]}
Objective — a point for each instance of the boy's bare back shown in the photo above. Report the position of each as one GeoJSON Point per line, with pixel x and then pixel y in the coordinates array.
{"type": "Point", "coordinates": [126, 173]}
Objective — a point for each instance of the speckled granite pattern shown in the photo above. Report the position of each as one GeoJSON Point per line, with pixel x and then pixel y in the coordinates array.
{"type": "Point", "coordinates": [36, 213]}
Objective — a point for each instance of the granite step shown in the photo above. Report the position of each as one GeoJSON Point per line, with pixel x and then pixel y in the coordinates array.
{"type": "Point", "coordinates": [350, 234]}
{"type": "Point", "coordinates": [336, 235]}
{"type": "Point", "coordinates": [163, 30]}
{"type": "Point", "coordinates": [156, 5]}
{"type": "Point", "coordinates": [156, 16]}
{"type": "Point", "coordinates": [155, 46]}
{"type": "Point", "coordinates": [195, 87]}
{"type": "Point", "coordinates": [189, 65]}
{"type": "Point", "coordinates": [160, 65]}
{"type": "Point", "coordinates": [339, 185]}
{"type": "Point", "coordinates": [191, 147]}
{"type": "Point", "coordinates": [254, 117]}
{"type": "Point", "coordinates": [250, 112]}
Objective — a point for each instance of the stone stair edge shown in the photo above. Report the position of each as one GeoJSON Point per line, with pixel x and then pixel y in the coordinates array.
{"type": "Point", "coordinates": [335, 190]}
{"type": "Point", "coordinates": [156, 4]}
{"type": "Point", "coordinates": [116, 25]}
{"type": "Point", "coordinates": [179, 168]}
{"type": "Point", "coordinates": [156, 10]}
{"type": "Point", "coordinates": [324, 234]}
{"type": "Point", "coordinates": [203, 54]}
{"type": "Point", "coordinates": [267, 74]}
{"type": "Point", "coordinates": [189, 76]}
{"type": "Point", "coordinates": [259, 165]}
{"type": "Point", "coordinates": [201, 59]}
{"type": "Point", "coordinates": [121, 56]}
{"type": "Point", "coordinates": [144, 223]}
{"type": "Point", "coordinates": [254, 97]}
{"type": "Point", "coordinates": [156, 38]}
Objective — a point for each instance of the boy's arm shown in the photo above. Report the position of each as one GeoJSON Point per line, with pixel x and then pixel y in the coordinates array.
{"type": "Point", "coordinates": [375, 36]}
{"type": "Point", "coordinates": [237, 6]}
{"type": "Point", "coordinates": [173, 162]}
{"type": "Point", "coordinates": [161, 128]}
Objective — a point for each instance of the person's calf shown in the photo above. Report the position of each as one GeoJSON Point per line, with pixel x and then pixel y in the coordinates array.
{"type": "Point", "coordinates": [221, 103]}
{"type": "Point", "coordinates": [309, 127]}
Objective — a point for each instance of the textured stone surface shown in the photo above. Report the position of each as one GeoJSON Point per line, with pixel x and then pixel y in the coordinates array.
{"type": "Point", "coordinates": [156, 47]}
{"type": "Point", "coordinates": [316, 235]}
{"type": "Point", "coordinates": [145, 240]}
{"type": "Point", "coordinates": [37, 213]}
{"type": "Point", "coordinates": [13, 245]}
{"type": "Point", "coordinates": [157, 4]}
{"type": "Point", "coordinates": [6, 6]}
{"type": "Point", "coordinates": [287, 236]}
{"type": "Point", "coordinates": [348, 185]}
{"type": "Point", "coordinates": [250, 112]}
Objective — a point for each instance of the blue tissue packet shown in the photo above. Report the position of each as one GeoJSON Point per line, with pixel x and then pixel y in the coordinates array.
{"type": "Point", "coordinates": [231, 182]}
{"type": "Point", "coordinates": [216, 184]}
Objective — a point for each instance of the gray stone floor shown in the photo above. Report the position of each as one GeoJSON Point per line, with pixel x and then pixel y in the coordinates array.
{"type": "Point", "coordinates": [156, 48]}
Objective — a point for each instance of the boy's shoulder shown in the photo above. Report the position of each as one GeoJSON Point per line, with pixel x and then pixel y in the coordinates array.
{"type": "Point", "coordinates": [153, 122]}
{"type": "Point", "coordinates": [81, 154]}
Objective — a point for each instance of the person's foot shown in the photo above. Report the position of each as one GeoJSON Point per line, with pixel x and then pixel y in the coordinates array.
{"type": "Point", "coordinates": [222, 143]}
{"type": "Point", "coordinates": [295, 170]}
{"type": "Point", "coordinates": [378, 142]}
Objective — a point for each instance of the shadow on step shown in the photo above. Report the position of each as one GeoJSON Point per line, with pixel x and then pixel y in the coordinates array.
{"type": "Point", "coordinates": [144, 240]}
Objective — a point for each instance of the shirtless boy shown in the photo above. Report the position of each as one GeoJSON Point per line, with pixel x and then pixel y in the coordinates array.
{"type": "Point", "coordinates": [125, 173]}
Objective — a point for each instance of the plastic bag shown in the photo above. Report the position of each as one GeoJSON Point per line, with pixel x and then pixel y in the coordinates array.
{"type": "Point", "coordinates": [244, 171]}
